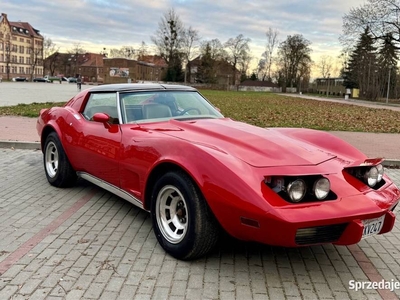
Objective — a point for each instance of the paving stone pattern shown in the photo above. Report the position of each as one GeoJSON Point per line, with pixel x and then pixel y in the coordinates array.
{"type": "Point", "coordinates": [107, 250]}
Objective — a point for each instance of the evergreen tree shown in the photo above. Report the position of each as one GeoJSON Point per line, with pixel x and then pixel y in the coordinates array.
{"type": "Point", "coordinates": [205, 72]}
{"type": "Point", "coordinates": [388, 58]}
{"type": "Point", "coordinates": [362, 67]}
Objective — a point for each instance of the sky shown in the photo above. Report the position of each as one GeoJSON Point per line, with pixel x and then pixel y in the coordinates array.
{"type": "Point", "coordinates": [99, 24]}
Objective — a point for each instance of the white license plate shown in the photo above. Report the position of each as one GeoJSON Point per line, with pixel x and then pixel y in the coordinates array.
{"type": "Point", "coordinates": [372, 226]}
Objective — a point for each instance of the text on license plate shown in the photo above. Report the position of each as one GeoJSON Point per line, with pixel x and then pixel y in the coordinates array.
{"type": "Point", "coordinates": [372, 226]}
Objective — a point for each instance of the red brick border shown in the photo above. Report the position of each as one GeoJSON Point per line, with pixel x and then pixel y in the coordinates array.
{"type": "Point", "coordinates": [10, 260]}
{"type": "Point", "coordinates": [369, 269]}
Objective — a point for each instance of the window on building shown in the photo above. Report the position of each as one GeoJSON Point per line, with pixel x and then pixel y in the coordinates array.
{"type": "Point", "coordinates": [21, 70]}
{"type": "Point", "coordinates": [1, 46]}
{"type": "Point", "coordinates": [2, 69]}
{"type": "Point", "coordinates": [21, 49]}
{"type": "Point", "coordinates": [28, 60]}
{"type": "Point", "coordinates": [21, 39]}
{"type": "Point", "coordinates": [21, 59]}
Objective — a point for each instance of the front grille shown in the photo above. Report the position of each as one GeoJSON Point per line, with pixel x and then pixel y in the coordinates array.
{"type": "Point", "coordinates": [320, 234]}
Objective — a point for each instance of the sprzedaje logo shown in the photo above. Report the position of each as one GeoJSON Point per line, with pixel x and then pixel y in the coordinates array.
{"type": "Point", "coordinates": [374, 285]}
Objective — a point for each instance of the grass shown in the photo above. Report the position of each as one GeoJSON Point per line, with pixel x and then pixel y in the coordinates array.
{"type": "Point", "coordinates": [272, 110]}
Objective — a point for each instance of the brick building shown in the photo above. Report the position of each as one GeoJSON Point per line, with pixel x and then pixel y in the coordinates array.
{"type": "Point", "coordinates": [21, 50]}
{"type": "Point", "coordinates": [122, 70]}
{"type": "Point", "coordinates": [87, 65]}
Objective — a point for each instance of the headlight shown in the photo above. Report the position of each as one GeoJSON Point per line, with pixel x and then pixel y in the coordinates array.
{"type": "Point", "coordinates": [380, 172]}
{"type": "Point", "coordinates": [296, 190]}
{"type": "Point", "coordinates": [321, 188]}
{"type": "Point", "coordinates": [371, 176]}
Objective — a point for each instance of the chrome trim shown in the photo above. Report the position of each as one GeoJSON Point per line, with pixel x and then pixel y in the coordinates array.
{"type": "Point", "coordinates": [111, 188]}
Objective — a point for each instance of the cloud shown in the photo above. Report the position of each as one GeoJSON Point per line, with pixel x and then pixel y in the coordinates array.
{"type": "Point", "coordinates": [96, 24]}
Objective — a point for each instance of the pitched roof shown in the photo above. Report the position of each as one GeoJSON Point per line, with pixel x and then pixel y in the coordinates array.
{"type": "Point", "coordinates": [25, 29]}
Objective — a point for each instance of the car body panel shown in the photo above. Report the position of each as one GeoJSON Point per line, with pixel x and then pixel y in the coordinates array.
{"type": "Point", "coordinates": [229, 162]}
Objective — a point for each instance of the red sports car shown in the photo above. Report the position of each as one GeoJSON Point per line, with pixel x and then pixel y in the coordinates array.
{"type": "Point", "coordinates": [168, 150]}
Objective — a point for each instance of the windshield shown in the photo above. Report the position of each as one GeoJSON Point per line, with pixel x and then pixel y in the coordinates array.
{"type": "Point", "coordinates": [153, 106]}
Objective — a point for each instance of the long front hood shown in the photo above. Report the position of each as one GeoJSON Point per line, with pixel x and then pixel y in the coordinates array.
{"type": "Point", "coordinates": [256, 146]}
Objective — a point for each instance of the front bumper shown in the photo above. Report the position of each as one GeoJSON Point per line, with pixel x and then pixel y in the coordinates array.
{"type": "Point", "coordinates": [338, 222]}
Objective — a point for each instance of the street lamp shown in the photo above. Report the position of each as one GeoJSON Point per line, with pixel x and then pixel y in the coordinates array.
{"type": "Point", "coordinates": [301, 79]}
{"type": "Point", "coordinates": [327, 89]}
{"type": "Point", "coordinates": [388, 88]}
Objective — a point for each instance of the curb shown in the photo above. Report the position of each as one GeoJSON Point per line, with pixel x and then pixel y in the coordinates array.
{"type": "Point", "coordinates": [20, 145]}
{"type": "Point", "coordinates": [391, 163]}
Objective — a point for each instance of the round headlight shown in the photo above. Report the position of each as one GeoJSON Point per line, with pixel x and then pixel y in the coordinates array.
{"type": "Point", "coordinates": [321, 188]}
{"type": "Point", "coordinates": [380, 172]}
{"type": "Point", "coordinates": [371, 176]}
{"type": "Point", "coordinates": [296, 190]}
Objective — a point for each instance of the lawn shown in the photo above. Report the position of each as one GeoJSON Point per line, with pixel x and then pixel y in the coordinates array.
{"type": "Point", "coordinates": [272, 110]}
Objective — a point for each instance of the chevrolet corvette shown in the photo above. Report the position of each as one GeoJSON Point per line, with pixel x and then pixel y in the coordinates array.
{"type": "Point", "coordinates": [169, 151]}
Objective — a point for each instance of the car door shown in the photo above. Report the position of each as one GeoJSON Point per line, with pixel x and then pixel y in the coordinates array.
{"type": "Point", "coordinates": [99, 143]}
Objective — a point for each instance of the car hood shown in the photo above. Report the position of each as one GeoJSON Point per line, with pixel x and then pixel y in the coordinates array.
{"type": "Point", "coordinates": [259, 147]}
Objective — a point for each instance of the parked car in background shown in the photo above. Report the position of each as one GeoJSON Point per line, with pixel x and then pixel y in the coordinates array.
{"type": "Point", "coordinates": [39, 79]}
{"type": "Point", "coordinates": [19, 79]}
{"type": "Point", "coordinates": [169, 151]}
{"type": "Point", "coordinates": [72, 79]}
{"type": "Point", "coordinates": [51, 79]}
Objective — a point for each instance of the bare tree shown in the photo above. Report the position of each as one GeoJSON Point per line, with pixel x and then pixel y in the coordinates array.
{"type": "Point", "coordinates": [142, 52]}
{"type": "Point", "coordinates": [36, 58]}
{"type": "Point", "coordinates": [49, 48]}
{"type": "Point", "coordinates": [168, 40]}
{"type": "Point", "coordinates": [238, 49]}
{"type": "Point", "coordinates": [325, 65]}
{"type": "Point", "coordinates": [73, 60]}
{"type": "Point", "coordinates": [190, 41]}
{"type": "Point", "coordinates": [382, 17]}
{"type": "Point", "coordinates": [295, 61]}
{"type": "Point", "coordinates": [216, 49]}
{"type": "Point", "coordinates": [272, 42]}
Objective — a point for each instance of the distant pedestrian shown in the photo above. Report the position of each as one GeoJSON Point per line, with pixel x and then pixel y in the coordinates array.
{"type": "Point", "coordinates": [79, 83]}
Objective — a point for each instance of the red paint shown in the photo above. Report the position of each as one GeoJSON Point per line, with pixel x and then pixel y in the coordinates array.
{"type": "Point", "coordinates": [229, 161]}
{"type": "Point", "coordinates": [37, 238]}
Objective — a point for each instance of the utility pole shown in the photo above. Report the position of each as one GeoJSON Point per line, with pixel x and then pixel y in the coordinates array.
{"type": "Point", "coordinates": [388, 88]}
{"type": "Point", "coordinates": [327, 89]}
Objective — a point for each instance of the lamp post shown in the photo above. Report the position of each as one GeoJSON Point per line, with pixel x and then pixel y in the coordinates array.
{"type": "Point", "coordinates": [301, 79]}
{"type": "Point", "coordinates": [327, 89]}
{"type": "Point", "coordinates": [388, 88]}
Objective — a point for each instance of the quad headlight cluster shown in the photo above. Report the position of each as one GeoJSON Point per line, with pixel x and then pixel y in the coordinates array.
{"type": "Point", "coordinates": [305, 188]}
{"type": "Point", "coordinates": [371, 175]}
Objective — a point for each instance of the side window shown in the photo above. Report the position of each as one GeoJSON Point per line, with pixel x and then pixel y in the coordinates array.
{"type": "Point", "coordinates": [102, 103]}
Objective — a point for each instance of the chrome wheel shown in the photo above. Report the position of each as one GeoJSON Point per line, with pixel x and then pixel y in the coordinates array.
{"type": "Point", "coordinates": [51, 159]}
{"type": "Point", "coordinates": [171, 214]}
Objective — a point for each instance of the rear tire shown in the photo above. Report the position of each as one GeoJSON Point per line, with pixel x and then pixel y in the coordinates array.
{"type": "Point", "coordinates": [182, 221]}
{"type": "Point", "coordinates": [59, 171]}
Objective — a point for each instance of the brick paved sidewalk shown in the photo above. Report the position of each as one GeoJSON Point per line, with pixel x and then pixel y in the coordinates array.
{"type": "Point", "coordinates": [84, 243]}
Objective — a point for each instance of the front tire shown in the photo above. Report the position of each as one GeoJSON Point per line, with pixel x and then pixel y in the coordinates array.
{"type": "Point", "coordinates": [182, 221]}
{"type": "Point", "coordinates": [59, 171]}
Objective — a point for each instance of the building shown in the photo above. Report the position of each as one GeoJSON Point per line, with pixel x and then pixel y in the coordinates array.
{"type": "Point", "coordinates": [21, 50]}
{"type": "Point", "coordinates": [330, 86]}
{"type": "Point", "coordinates": [123, 70]}
{"type": "Point", "coordinates": [221, 73]}
{"type": "Point", "coordinates": [87, 65]}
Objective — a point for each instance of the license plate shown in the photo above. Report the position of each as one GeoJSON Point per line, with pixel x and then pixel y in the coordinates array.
{"type": "Point", "coordinates": [372, 226]}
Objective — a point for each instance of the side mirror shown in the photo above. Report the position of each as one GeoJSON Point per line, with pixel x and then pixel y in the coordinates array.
{"type": "Point", "coordinates": [101, 117]}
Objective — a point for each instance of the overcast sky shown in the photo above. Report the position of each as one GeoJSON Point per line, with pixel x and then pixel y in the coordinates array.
{"type": "Point", "coordinates": [98, 24]}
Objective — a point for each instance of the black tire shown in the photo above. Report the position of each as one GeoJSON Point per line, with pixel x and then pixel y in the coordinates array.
{"type": "Point", "coordinates": [188, 209]}
{"type": "Point", "coordinates": [57, 167]}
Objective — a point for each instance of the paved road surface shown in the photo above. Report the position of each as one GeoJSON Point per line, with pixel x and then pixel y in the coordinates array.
{"type": "Point", "coordinates": [84, 243]}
